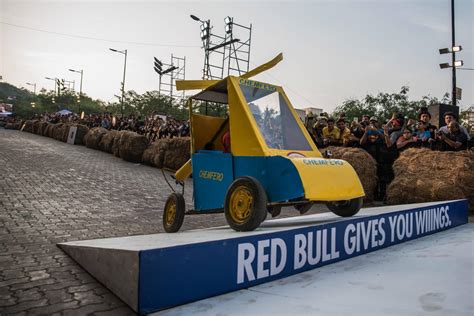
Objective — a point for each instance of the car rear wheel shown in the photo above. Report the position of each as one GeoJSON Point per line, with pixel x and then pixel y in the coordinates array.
{"type": "Point", "coordinates": [173, 215]}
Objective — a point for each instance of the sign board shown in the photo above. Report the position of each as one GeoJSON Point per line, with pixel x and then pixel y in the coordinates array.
{"type": "Point", "coordinates": [72, 135]}
{"type": "Point", "coordinates": [458, 93]}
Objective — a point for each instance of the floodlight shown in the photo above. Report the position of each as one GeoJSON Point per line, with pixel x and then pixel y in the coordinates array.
{"type": "Point", "coordinates": [457, 48]}
{"type": "Point", "coordinates": [444, 51]}
{"type": "Point", "coordinates": [228, 28]}
{"type": "Point", "coordinates": [170, 69]}
{"type": "Point", "coordinates": [204, 34]}
{"type": "Point", "coordinates": [458, 63]}
{"type": "Point", "coordinates": [444, 65]}
{"type": "Point", "coordinates": [228, 20]}
{"type": "Point", "coordinates": [195, 18]}
{"type": "Point", "coordinates": [158, 61]}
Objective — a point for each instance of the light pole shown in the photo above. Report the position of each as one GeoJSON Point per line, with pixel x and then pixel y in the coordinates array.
{"type": "Point", "coordinates": [80, 87]}
{"type": "Point", "coordinates": [34, 85]}
{"type": "Point", "coordinates": [206, 37]}
{"type": "Point", "coordinates": [55, 81]}
{"type": "Point", "coordinates": [124, 71]}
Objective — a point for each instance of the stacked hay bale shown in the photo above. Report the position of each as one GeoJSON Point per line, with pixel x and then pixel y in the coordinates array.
{"type": "Point", "coordinates": [116, 144]}
{"type": "Point", "coordinates": [94, 136]}
{"type": "Point", "coordinates": [81, 131]}
{"type": "Point", "coordinates": [64, 133]}
{"type": "Point", "coordinates": [58, 131]}
{"type": "Point", "coordinates": [177, 153]}
{"type": "Point", "coordinates": [107, 141]}
{"type": "Point", "coordinates": [422, 175]}
{"type": "Point", "coordinates": [42, 128]}
{"type": "Point", "coordinates": [364, 165]}
{"type": "Point", "coordinates": [28, 126]}
{"type": "Point", "coordinates": [132, 146]}
{"type": "Point", "coordinates": [36, 127]}
{"type": "Point", "coordinates": [154, 155]}
{"type": "Point", "coordinates": [49, 130]}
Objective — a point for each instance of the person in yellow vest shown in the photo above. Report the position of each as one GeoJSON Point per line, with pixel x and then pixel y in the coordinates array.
{"type": "Point", "coordinates": [344, 132]}
{"type": "Point", "coordinates": [330, 134]}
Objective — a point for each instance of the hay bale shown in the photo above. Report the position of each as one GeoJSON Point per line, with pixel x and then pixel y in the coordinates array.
{"type": "Point", "coordinates": [422, 175]}
{"type": "Point", "coordinates": [28, 126]}
{"type": "Point", "coordinates": [10, 126]}
{"type": "Point", "coordinates": [116, 144]}
{"type": "Point", "coordinates": [81, 131]}
{"type": "Point", "coordinates": [58, 131]}
{"type": "Point", "coordinates": [93, 137]}
{"type": "Point", "coordinates": [154, 155]}
{"type": "Point", "coordinates": [107, 141]}
{"type": "Point", "coordinates": [42, 128]}
{"type": "Point", "coordinates": [49, 130]}
{"type": "Point", "coordinates": [364, 165]}
{"type": "Point", "coordinates": [177, 154]}
{"type": "Point", "coordinates": [132, 146]}
{"type": "Point", "coordinates": [61, 132]}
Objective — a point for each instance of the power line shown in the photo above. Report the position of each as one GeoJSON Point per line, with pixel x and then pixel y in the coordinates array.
{"type": "Point", "coordinates": [94, 38]}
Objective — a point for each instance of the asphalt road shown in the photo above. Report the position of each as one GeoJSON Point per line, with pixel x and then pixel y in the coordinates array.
{"type": "Point", "coordinates": [53, 192]}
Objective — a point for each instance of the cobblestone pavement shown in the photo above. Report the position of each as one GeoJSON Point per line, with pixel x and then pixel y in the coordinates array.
{"type": "Point", "coordinates": [53, 192]}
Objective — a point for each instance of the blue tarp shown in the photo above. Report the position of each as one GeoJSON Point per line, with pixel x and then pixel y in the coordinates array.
{"type": "Point", "coordinates": [64, 112]}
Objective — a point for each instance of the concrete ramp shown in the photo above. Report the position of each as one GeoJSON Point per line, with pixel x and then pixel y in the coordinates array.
{"type": "Point", "coordinates": [159, 271]}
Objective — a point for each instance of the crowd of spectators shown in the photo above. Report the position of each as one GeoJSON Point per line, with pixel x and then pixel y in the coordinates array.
{"type": "Point", "coordinates": [384, 140]}
{"type": "Point", "coordinates": [153, 126]}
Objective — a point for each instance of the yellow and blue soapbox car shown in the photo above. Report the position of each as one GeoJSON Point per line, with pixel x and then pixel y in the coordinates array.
{"type": "Point", "coordinates": [256, 160]}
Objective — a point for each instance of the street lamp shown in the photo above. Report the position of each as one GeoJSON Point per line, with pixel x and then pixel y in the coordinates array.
{"type": "Point", "coordinates": [80, 87]}
{"type": "Point", "coordinates": [124, 70]}
{"type": "Point", "coordinates": [34, 85]}
{"type": "Point", "coordinates": [453, 50]}
{"type": "Point", "coordinates": [206, 38]}
{"type": "Point", "coordinates": [55, 82]}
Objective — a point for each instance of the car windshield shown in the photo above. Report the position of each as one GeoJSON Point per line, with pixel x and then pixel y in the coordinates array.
{"type": "Point", "coordinates": [273, 116]}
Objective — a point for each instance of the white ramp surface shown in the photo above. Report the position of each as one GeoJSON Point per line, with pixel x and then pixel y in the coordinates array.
{"type": "Point", "coordinates": [433, 275]}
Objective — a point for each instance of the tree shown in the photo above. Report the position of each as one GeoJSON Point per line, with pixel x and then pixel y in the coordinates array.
{"type": "Point", "coordinates": [383, 105]}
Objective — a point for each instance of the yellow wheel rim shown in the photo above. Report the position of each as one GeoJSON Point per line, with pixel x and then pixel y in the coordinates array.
{"type": "Point", "coordinates": [170, 212]}
{"type": "Point", "coordinates": [240, 204]}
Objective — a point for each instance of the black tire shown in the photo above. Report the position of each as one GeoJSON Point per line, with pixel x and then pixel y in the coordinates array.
{"type": "Point", "coordinates": [345, 208]}
{"type": "Point", "coordinates": [245, 204]}
{"type": "Point", "coordinates": [173, 214]}
{"type": "Point", "coordinates": [274, 210]}
{"type": "Point", "coordinates": [303, 208]}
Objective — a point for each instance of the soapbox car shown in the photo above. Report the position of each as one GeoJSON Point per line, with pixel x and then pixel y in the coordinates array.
{"type": "Point", "coordinates": [269, 162]}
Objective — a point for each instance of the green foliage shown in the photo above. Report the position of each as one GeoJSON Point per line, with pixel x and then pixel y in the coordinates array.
{"type": "Point", "coordinates": [383, 105]}
{"type": "Point", "coordinates": [134, 103]}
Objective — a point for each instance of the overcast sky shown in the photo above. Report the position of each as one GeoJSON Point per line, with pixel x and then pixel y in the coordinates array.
{"type": "Point", "coordinates": [333, 50]}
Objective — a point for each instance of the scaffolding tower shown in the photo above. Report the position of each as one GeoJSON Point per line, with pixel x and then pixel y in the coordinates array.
{"type": "Point", "coordinates": [228, 54]}
{"type": "Point", "coordinates": [168, 74]}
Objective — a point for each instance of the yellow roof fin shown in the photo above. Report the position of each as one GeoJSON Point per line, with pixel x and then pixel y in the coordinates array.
{"type": "Point", "coordinates": [272, 63]}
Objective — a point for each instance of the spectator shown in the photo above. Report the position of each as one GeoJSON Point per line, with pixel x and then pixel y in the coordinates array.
{"type": "Point", "coordinates": [365, 119]}
{"type": "Point", "coordinates": [425, 117]}
{"type": "Point", "coordinates": [331, 134]}
{"type": "Point", "coordinates": [106, 122]}
{"type": "Point", "coordinates": [406, 140]}
{"type": "Point", "coordinates": [455, 139]}
{"type": "Point", "coordinates": [344, 132]}
{"type": "Point", "coordinates": [380, 147]}
{"type": "Point", "coordinates": [448, 118]}
{"type": "Point", "coordinates": [396, 126]}
{"type": "Point", "coordinates": [422, 135]}
{"type": "Point", "coordinates": [357, 131]}
{"type": "Point", "coordinates": [318, 127]}
{"type": "Point", "coordinates": [374, 122]}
